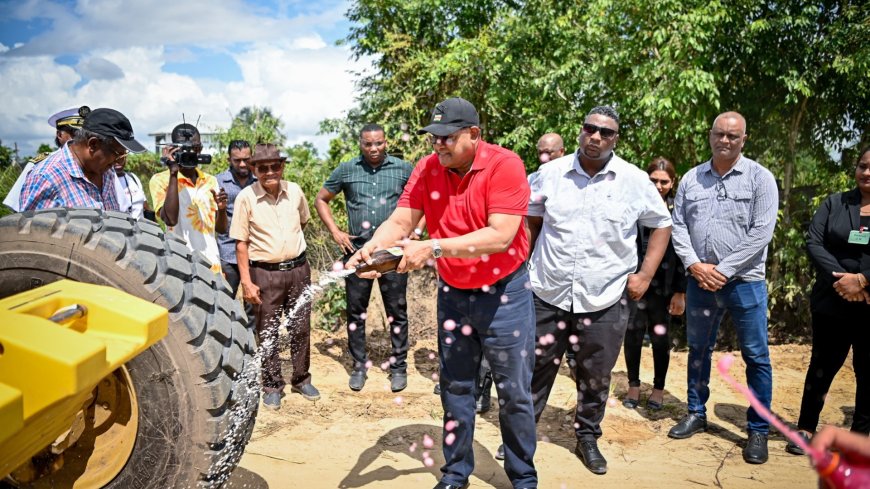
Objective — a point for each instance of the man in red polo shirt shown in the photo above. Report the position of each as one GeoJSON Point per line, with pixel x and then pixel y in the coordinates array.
{"type": "Point", "coordinates": [474, 196]}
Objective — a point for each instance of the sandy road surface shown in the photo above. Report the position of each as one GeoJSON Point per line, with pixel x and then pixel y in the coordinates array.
{"type": "Point", "coordinates": [362, 439]}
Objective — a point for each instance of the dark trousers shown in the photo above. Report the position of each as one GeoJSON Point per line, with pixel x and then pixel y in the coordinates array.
{"type": "Point", "coordinates": [359, 290]}
{"type": "Point", "coordinates": [496, 325]}
{"type": "Point", "coordinates": [279, 291]}
{"type": "Point", "coordinates": [231, 272]}
{"type": "Point", "coordinates": [833, 335]}
{"type": "Point", "coordinates": [596, 338]}
{"type": "Point", "coordinates": [645, 315]}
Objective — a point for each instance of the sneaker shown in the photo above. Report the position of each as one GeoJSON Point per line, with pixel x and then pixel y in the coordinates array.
{"type": "Point", "coordinates": [357, 380]}
{"type": "Point", "coordinates": [308, 391]}
{"type": "Point", "coordinates": [756, 448]}
{"type": "Point", "coordinates": [272, 400]}
{"type": "Point", "coordinates": [398, 381]}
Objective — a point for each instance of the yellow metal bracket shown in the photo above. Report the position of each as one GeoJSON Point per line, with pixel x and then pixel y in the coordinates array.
{"type": "Point", "coordinates": [49, 369]}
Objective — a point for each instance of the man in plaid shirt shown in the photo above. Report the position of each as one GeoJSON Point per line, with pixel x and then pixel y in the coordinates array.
{"type": "Point", "coordinates": [80, 173]}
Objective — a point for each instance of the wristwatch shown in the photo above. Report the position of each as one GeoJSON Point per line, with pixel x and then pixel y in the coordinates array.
{"type": "Point", "coordinates": [436, 249]}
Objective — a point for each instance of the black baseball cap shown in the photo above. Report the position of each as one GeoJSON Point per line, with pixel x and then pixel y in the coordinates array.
{"type": "Point", "coordinates": [450, 116]}
{"type": "Point", "coordinates": [111, 123]}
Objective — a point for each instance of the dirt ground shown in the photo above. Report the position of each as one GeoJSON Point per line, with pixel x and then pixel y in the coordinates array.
{"type": "Point", "coordinates": [363, 439]}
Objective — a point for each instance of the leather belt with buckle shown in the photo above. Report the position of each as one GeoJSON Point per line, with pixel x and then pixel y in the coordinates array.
{"type": "Point", "coordinates": [283, 266]}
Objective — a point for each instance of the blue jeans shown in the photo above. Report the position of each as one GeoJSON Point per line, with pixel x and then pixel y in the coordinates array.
{"type": "Point", "coordinates": [502, 329]}
{"type": "Point", "coordinates": [747, 304]}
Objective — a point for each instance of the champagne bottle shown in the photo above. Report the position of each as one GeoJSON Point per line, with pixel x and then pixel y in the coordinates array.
{"type": "Point", "coordinates": [383, 261]}
{"type": "Point", "coordinates": [837, 473]}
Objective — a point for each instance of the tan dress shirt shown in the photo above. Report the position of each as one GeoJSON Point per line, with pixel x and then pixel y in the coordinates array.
{"type": "Point", "coordinates": [272, 227]}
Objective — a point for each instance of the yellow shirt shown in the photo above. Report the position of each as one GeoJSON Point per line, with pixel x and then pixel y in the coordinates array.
{"type": "Point", "coordinates": [272, 227]}
{"type": "Point", "coordinates": [196, 212]}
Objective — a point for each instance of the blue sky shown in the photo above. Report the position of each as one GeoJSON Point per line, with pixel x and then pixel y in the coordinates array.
{"type": "Point", "coordinates": [155, 59]}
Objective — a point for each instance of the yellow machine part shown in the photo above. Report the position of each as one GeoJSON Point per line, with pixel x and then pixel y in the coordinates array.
{"type": "Point", "coordinates": [48, 370]}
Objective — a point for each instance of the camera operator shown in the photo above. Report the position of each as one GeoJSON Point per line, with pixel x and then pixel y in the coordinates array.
{"type": "Point", "coordinates": [187, 199]}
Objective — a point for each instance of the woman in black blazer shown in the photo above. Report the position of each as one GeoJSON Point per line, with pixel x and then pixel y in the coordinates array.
{"type": "Point", "coordinates": [665, 297]}
{"type": "Point", "coordinates": [839, 245]}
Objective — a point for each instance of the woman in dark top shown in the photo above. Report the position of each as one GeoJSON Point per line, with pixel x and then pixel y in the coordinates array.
{"type": "Point", "coordinates": [839, 245]}
{"type": "Point", "coordinates": [666, 296]}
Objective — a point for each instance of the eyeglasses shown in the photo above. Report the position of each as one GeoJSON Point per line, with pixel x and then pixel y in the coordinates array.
{"type": "Point", "coordinates": [721, 191]}
{"type": "Point", "coordinates": [606, 132]}
{"type": "Point", "coordinates": [447, 140]}
{"type": "Point", "coordinates": [272, 168]}
{"type": "Point", "coordinates": [118, 155]}
{"type": "Point", "coordinates": [717, 135]}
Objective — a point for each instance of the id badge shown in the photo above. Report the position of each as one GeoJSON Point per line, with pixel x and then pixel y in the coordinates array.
{"type": "Point", "coordinates": [859, 237]}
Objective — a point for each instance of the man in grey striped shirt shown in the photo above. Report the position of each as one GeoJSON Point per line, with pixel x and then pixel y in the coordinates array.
{"type": "Point", "coordinates": [372, 184]}
{"type": "Point", "coordinates": [724, 215]}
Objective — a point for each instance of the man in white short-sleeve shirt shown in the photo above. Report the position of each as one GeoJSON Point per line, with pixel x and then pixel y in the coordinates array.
{"type": "Point", "coordinates": [584, 212]}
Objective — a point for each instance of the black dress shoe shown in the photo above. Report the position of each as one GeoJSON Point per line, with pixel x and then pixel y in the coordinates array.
{"type": "Point", "coordinates": [756, 448]}
{"type": "Point", "coordinates": [398, 381]}
{"type": "Point", "coordinates": [795, 449]}
{"type": "Point", "coordinates": [587, 451]}
{"type": "Point", "coordinates": [444, 485]}
{"type": "Point", "coordinates": [437, 390]}
{"type": "Point", "coordinates": [357, 380]}
{"type": "Point", "coordinates": [688, 426]}
{"type": "Point", "coordinates": [483, 405]}
{"type": "Point", "coordinates": [499, 454]}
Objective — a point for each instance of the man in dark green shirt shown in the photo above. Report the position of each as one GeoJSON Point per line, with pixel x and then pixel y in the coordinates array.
{"type": "Point", "coordinates": [372, 184]}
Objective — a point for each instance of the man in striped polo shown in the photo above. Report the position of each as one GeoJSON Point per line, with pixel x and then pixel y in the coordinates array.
{"type": "Point", "coordinates": [372, 184]}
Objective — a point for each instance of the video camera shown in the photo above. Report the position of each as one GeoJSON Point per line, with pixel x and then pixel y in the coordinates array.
{"type": "Point", "coordinates": [187, 155]}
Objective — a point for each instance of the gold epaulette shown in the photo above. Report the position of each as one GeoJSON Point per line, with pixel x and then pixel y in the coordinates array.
{"type": "Point", "coordinates": [38, 158]}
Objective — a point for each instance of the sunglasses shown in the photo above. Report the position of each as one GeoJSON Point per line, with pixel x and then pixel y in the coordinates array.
{"type": "Point", "coordinates": [721, 191]}
{"type": "Point", "coordinates": [447, 140]}
{"type": "Point", "coordinates": [270, 168]}
{"type": "Point", "coordinates": [606, 132]}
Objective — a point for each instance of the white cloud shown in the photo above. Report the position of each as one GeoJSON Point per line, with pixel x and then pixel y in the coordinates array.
{"type": "Point", "coordinates": [302, 78]}
{"type": "Point", "coordinates": [98, 68]}
{"type": "Point", "coordinates": [112, 24]}
{"type": "Point", "coordinates": [301, 85]}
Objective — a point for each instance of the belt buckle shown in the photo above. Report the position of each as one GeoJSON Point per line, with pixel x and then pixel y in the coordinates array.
{"type": "Point", "coordinates": [287, 265]}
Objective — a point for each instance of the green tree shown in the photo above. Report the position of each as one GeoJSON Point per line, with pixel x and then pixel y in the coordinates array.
{"type": "Point", "coordinates": [7, 155]}
{"type": "Point", "coordinates": [796, 69]}
{"type": "Point", "coordinates": [252, 124]}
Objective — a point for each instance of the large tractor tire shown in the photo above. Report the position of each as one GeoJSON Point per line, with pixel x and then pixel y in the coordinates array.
{"type": "Point", "coordinates": [195, 391]}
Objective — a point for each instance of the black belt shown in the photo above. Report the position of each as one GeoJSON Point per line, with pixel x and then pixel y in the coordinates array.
{"type": "Point", "coordinates": [283, 266]}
